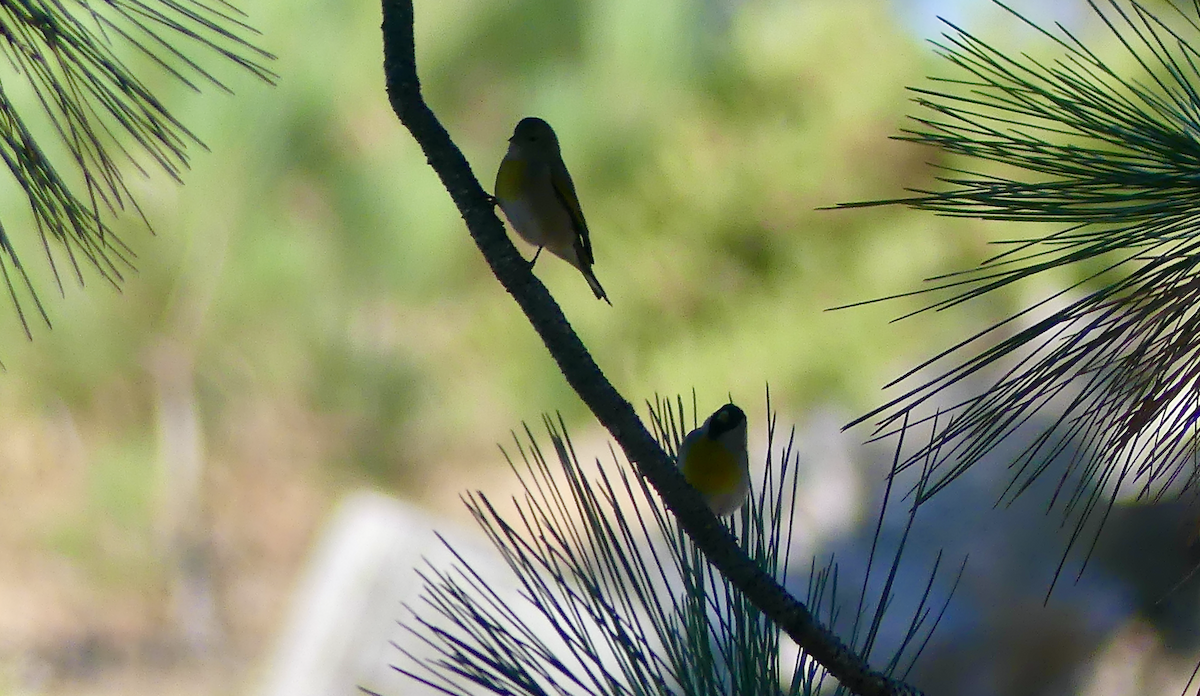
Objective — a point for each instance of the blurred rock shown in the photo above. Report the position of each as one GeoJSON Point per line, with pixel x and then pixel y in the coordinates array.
{"type": "Point", "coordinates": [1006, 632]}
{"type": "Point", "coordinates": [345, 609]}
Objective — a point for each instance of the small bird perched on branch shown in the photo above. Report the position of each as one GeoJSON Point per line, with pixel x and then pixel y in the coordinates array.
{"type": "Point", "coordinates": [536, 193]}
{"type": "Point", "coordinates": [713, 459]}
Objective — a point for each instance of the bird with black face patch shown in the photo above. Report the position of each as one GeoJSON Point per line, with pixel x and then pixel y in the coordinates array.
{"type": "Point", "coordinates": [714, 459]}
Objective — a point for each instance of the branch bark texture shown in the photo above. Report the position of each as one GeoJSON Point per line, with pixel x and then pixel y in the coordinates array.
{"type": "Point", "coordinates": [585, 377]}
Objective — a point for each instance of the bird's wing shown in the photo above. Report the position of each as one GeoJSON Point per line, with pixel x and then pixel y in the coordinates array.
{"type": "Point", "coordinates": [564, 190]}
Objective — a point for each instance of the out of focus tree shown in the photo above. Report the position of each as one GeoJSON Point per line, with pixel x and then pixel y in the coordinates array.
{"type": "Point", "coordinates": [320, 294]}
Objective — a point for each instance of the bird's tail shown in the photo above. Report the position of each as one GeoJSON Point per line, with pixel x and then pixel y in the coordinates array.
{"type": "Point", "coordinates": [595, 285]}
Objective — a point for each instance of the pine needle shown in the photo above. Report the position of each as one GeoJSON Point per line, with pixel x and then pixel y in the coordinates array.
{"type": "Point", "coordinates": [1115, 160]}
{"type": "Point", "coordinates": [102, 116]}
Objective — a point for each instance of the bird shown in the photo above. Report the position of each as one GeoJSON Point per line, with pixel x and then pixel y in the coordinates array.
{"type": "Point", "coordinates": [535, 191]}
{"type": "Point", "coordinates": [713, 459]}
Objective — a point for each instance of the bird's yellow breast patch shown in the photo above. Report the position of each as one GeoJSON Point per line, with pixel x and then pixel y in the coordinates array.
{"type": "Point", "coordinates": [510, 179]}
{"type": "Point", "coordinates": [711, 468]}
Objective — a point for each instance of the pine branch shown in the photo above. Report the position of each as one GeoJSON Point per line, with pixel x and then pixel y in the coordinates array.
{"type": "Point", "coordinates": [611, 597]}
{"type": "Point", "coordinates": [65, 51]}
{"type": "Point", "coordinates": [1116, 160]}
{"type": "Point", "coordinates": [610, 408]}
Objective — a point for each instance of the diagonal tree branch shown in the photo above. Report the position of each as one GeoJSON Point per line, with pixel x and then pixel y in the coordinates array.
{"type": "Point", "coordinates": [585, 377]}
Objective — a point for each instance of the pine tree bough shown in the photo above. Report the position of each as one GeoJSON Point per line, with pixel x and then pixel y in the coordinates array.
{"type": "Point", "coordinates": [585, 377]}
{"type": "Point", "coordinates": [1103, 143]}
{"type": "Point", "coordinates": [103, 118]}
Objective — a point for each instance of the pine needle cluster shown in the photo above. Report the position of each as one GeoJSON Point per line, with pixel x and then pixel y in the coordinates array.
{"type": "Point", "coordinates": [1112, 159]}
{"type": "Point", "coordinates": [616, 599]}
{"type": "Point", "coordinates": [103, 117]}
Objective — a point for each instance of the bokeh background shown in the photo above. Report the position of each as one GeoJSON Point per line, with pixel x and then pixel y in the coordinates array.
{"type": "Point", "coordinates": [311, 319]}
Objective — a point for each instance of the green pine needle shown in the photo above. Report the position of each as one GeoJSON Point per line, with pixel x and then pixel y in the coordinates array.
{"type": "Point", "coordinates": [615, 598]}
{"type": "Point", "coordinates": [102, 115]}
{"type": "Point", "coordinates": [1116, 159]}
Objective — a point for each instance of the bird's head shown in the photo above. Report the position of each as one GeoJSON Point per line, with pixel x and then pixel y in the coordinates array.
{"type": "Point", "coordinates": [726, 419]}
{"type": "Point", "coordinates": [533, 136]}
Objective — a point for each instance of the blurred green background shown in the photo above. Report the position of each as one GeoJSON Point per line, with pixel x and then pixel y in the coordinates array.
{"type": "Point", "coordinates": [311, 316]}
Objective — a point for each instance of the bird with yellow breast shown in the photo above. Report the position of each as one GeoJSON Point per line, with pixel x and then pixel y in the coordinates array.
{"type": "Point", "coordinates": [713, 458]}
{"type": "Point", "coordinates": [535, 191]}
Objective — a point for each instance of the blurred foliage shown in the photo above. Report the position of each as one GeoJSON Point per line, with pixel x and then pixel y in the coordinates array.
{"type": "Point", "coordinates": [313, 258]}
{"type": "Point", "coordinates": [314, 291]}
{"type": "Point", "coordinates": [112, 533]}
